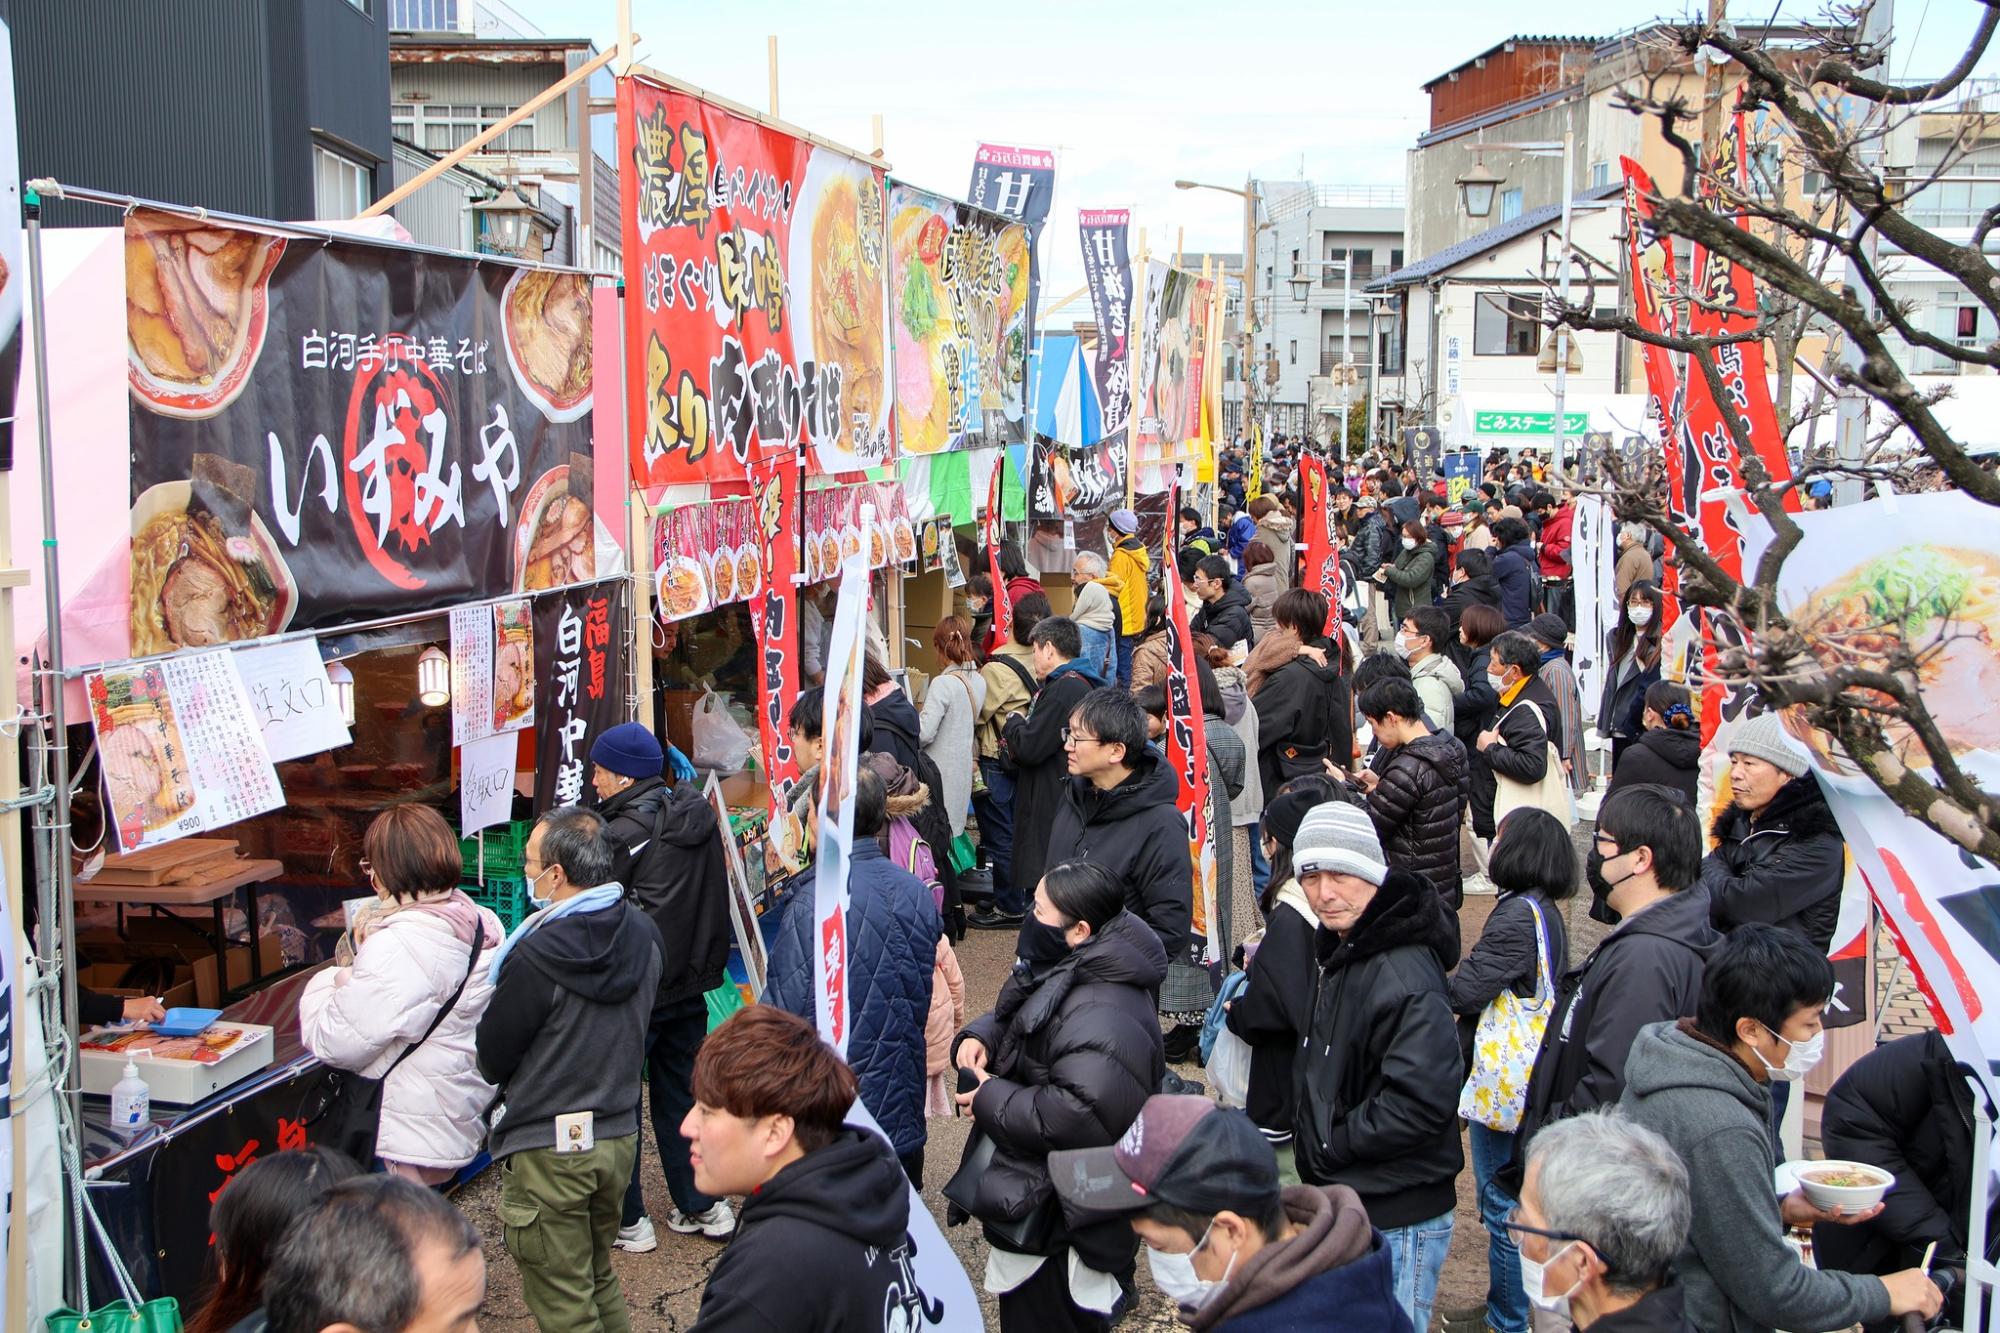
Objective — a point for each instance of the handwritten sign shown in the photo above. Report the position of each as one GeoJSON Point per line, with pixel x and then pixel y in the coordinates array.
{"type": "Point", "coordinates": [291, 699]}
{"type": "Point", "coordinates": [486, 782]}
{"type": "Point", "coordinates": [471, 674]}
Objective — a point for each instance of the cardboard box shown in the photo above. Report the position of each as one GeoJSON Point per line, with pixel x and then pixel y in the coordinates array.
{"type": "Point", "coordinates": [187, 946]}
{"type": "Point", "coordinates": [180, 1082]}
{"type": "Point", "coordinates": [108, 979]}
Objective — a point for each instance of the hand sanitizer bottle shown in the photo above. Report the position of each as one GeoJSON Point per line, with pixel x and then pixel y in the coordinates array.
{"type": "Point", "coordinates": [131, 1100]}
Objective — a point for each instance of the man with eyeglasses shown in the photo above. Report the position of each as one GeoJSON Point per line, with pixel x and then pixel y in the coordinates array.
{"type": "Point", "coordinates": [1604, 1209]}
{"type": "Point", "coordinates": [1645, 868]}
{"type": "Point", "coordinates": [1032, 743]}
{"type": "Point", "coordinates": [1118, 811]}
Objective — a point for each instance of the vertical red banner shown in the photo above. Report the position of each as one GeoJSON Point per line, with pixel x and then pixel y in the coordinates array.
{"type": "Point", "coordinates": [989, 532]}
{"type": "Point", "coordinates": [1653, 284]}
{"type": "Point", "coordinates": [1322, 561]}
{"type": "Point", "coordinates": [774, 615]}
{"type": "Point", "coordinates": [1187, 743]}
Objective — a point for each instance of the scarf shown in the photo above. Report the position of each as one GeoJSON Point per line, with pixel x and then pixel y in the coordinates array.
{"type": "Point", "coordinates": [452, 907]}
{"type": "Point", "coordinates": [1551, 655]}
{"type": "Point", "coordinates": [589, 900]}
{"type": "Point", "coordinates": [1271, 652]}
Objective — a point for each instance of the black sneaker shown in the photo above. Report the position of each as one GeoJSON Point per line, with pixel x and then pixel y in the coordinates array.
{"type": "Point", "coordinates": [1175, 1085]}
{"type": "Point", "coordinates": [995, 920]}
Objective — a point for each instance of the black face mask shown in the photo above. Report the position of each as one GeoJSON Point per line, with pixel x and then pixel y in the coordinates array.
{"type": "Point", "coordinates": [1600, 887]}
{"type": "Point", "coordinates": [1041, 942]}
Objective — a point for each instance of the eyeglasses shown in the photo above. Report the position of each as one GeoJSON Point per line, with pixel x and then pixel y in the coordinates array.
{"type": "Point", "coordinates": [1516, 1225]}
{"type": "Point", "coordinates": [1072, 739]}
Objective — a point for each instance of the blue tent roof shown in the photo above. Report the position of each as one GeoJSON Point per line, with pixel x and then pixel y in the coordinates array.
{"type": "Point", "coordinates": [1066, 407]}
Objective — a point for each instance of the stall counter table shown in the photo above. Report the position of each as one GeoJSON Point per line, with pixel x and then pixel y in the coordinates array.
{"type": "Point", "coordinates": [216, 893]}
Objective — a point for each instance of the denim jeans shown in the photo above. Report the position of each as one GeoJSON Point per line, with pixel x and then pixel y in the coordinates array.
{"type": "Point", "coordinates": [1126, 643]}
{"type": "Point", "coordinates": [996, 833]}
{"type": "Point", "coordinates": [1417, 1253]}
{"type": "Point", "coordinates": [675, 1036]}
{"type": "Point", "coordinates": [1506, 1303]}
{"type": "Point", "coordinates": [1097, 657]}
{"type": "Point", "coordinates": [1260, 868]}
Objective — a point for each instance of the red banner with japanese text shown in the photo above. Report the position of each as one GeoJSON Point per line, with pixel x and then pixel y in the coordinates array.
{"type": "Point", "coordinates": [1322, 551]}
{"type": "Point", "coordinates": [757, 290]}
{"type": "Point", "coordinates": [1654, 287]}
{"type": "Point", "coordinates": [1186, 745]}
{"type": "Point", "coordinates": [774, 616]}
{"type": "Point", "coordinates": [989, 533]}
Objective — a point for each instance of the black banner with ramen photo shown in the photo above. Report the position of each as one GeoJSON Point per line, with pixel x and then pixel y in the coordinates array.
{"type": "Point", "coordinates": [324, 432]}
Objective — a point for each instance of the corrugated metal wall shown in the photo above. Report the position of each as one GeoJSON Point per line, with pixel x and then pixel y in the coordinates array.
{"type": "Point", "coordinates": [482, 83]}
{"type": "Point", "coordinates": [435, 215]}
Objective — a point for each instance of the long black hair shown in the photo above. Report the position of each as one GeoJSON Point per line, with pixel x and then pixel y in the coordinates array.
{"type": "Point", "coordinates": [1648, 638]}
{"type": "Point", "coordinates": [251, 1215]}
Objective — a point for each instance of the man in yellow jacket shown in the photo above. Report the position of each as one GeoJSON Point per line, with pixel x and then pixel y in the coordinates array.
{"type": "Point", "coordinates": [1131, 562]}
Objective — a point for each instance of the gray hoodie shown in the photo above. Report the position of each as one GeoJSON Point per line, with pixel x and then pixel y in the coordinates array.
{"type": "Point", "coordinates": [1437, 680]}
{"type": "Point", "coordinates": [1738, 1272]}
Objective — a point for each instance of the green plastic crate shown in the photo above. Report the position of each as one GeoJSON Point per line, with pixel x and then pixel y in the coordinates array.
{"type": "Point", "coordinates": [507, 897]}
{"type": "Point", "coordinates": [506, 851]}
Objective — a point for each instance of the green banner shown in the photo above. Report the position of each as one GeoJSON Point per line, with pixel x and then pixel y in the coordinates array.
{"type": "Point", "coordinates": [1528, 423]}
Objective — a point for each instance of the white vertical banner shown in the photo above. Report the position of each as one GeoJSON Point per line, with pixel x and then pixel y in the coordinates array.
{"type": "Point", "coordinates": [1592, 537]}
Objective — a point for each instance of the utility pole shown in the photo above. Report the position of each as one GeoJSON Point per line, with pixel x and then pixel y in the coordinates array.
{"type": "Point", "coordinates": [1850, 422]}
{"type": "Point", "coordinates": [1249, 307]}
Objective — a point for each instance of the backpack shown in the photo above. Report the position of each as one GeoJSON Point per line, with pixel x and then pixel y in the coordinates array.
{"type": "Point", "coordinates": [904, 846]}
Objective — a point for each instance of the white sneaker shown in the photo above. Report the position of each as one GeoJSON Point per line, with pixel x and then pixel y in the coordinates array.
{"type": "Point", "coordinates": [639, 1238]}
{"type": "Point", "coordinates": [1479, 886]}
{"type": "Point", "coordinates": [718, 1222]}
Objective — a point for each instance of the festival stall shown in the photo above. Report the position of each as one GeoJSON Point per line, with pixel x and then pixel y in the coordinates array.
{"type": "Point", "coordinates": [372, 558]}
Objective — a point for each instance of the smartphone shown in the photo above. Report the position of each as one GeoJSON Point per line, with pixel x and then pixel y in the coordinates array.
{"type": "Point", "coordinates": [967, 1080]}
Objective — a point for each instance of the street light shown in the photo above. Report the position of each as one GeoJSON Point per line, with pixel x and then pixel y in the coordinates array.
{"type": "Point", "coordinates": [513, 226]}
{"type": "Point", "coordinates": [1477, 186]}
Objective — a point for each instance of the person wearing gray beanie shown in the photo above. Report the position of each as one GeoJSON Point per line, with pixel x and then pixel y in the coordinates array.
{"type": "Point", "coordinates": [1763, 737]}
{"type": "Point", "coordinates": [1376, 1081]}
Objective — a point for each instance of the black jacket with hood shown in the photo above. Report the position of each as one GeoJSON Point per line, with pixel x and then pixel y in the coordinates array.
{"type": "Point", "coordinates": [1304, 715]}
{"type": "Point", "coordinates": [1783, 866]}
{"type": "Point", "coordinates": [670, 858]}
{"type": "Point", "coordinates": [1504, 958]}
{"type": "Point", "coordinates": [1517, 585]}
{"type": "Point", "coordinates": [1481, 591]}
{"type": "Point", "coordinates": [1523, 752]}
{"type": "Point", "coordinates": [1661, 757]}
{"type": "Point", "coordinates": [1274, 1009]}
{"type": "Point", "coordinates": [1075, 1049]}
{"type": "Point", "coordinates": [1377, 1089]}
{"type": "Point", "coordinates": [1417, 805]}
{"type": "Point", "coordinates": [565, 1030]}
{"type": "Point", "coordinates": [1033, 743]}
{"type": "Point", "coordinates": [1227, 618]}
{"type": "Point", "coordinates": [898, 730]}
{"type": "Point", "coordinates": [1647, 970]}
{"type": "Point", "coordinates": [822, 1246]}
{"type": "Point", "coordinates": [1135, 831]}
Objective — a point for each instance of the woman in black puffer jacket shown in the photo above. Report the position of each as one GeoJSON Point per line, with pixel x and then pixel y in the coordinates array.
{"type": "Point", "coordinates": [1417, 792]}
{"type": "Point", "coordinates": [1080, 999]}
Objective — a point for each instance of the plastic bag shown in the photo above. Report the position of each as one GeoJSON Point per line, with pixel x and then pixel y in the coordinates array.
{"type": "Point", "coordinates": [1229, 1069]}
{"type": "Point", "coordinates": [720, 745]}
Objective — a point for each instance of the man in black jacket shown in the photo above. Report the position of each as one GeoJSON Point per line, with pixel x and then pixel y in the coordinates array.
{"type": "Point", "coordinates": [562, 1038]}
{"type": "Point", "coordinates": [1225, 610]}
{"type": "Point", "coordinates": [1905, 1107]}
{"type": "Point", "coordinates": [1643, 866]}
{"type": "Point", "coordinates": [1472, 584]}
{"type": "Point", "coordinates": [1118, 811]}
{"type": "Point", "coordinates": [1378, 1077]}
{"type": "Point", "coordinates": [1416, 791]}
{"type": "Point", "coordinates": [1033, 743]}
{"type": "Point", "coordinates": [667, 851]}
{"type": "Point", "coordinates": [1779, 857]}
{"type": "Point", "coordinates": [825, 1240]}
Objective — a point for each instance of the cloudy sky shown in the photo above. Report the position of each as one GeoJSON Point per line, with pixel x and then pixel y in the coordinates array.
{"type": "Point", "coordinates": [1132, 96]}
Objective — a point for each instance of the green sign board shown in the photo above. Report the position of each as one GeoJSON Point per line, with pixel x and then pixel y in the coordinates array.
{"type": "Point", "coordinates": [1528, 423]}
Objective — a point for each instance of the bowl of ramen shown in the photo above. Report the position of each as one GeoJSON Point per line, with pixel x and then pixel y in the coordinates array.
{"type": "Point", "coordinates": [555, 540]}
{"type": "Point", "coordinates": [546, 326]}
{"type": "Point", "coordinates": [850, 541]}
{"type": "Point", "coordinates": [722, 576]}
{"type": "Point", "coordinates": [205, 570]}
{"type": "Point", "coordinates": [905, 538]}
{"type": "Point", "coordinates": [1851, 1186]}
{"type": "Point", "coordinates": [682, 588]}
{"type": "Point", "coordinates": [196, 310]}
{"type": "Point", "coordinates": [749, 571]}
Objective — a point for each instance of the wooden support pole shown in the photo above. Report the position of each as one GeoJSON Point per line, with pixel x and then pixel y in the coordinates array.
{"type": "Point", "coordinates": [492, 132]}
{"type": "Point", "coordinates": [771, 63]}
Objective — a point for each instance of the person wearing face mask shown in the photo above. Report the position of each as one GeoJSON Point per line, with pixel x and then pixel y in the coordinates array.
{"type": "Point", "coordinates": [1634, 654]}
{"type": "Point", "coordinates": [1703, 1084]}
{"type": "Point", "coordinates": [1643, 871]}
{"type": "Point", "coordinates": [1066, 1059]}
{"type": "Point", "coordinates": [1377, 1077]}
{"type": "Point", "coordinates": [1604, 1209]}
{"type": "Point", "coordinates": [1231, 1247]}
{"type": "Point", "coordinates": [1408, 572]}
{"type": "Point", "coordinates": [1513, 755]}
{"type": "Point", "coordinates": [1420, 641]}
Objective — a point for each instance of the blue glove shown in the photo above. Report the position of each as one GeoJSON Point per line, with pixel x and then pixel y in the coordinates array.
{"type": "Point", "coordinates": [678, 765]}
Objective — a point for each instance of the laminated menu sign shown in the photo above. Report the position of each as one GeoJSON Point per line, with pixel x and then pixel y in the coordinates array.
{"type": "Point", "coordinates": [291, 699]}
{"type": "Point", "coordinates": [180, 749]}
{"type": "Point", "coordinates": [579, 683]}
{"type": "Point", "coordinates": [471, 673]}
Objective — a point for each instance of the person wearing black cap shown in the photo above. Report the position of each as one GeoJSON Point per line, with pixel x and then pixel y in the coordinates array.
{"type": "Point", "coordinates": [1234, 1249]}
{"type": "Point", "coordinates": [667, 851]}
{"type": "Point", "coordinates": [1275, 1007]}
{"type": "Point", "coordinates": [1550, 634]}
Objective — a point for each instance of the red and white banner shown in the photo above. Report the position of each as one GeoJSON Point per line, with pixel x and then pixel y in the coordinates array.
{"type": "Point", "coordinates": [990, 534]}
{"type": "Point", "coordinates": [1654, 287]}
{"type": "Point", "coordinates": [1187, 748]}
{"type": "Point", "coordinates": [774, 610]}
{"type": "Point", "coordinates": [1322, 559]}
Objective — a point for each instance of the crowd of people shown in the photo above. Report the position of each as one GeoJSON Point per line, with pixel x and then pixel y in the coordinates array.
{"type": "Point", "coordinates": [1378, 760]}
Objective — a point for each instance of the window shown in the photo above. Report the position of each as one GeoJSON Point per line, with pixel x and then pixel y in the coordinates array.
{"type": "Point", "coordinates": [1812, 182]}
{"type": "Point", "coordinates": [1766, 163]}
{"type": "Point", "coordinates": [1395, 260]}
{"type": "Point", "coordinates": [1510, 205]}
{"type": "Point", "coordinates": [1968, 324]}
{"type": "Point", "coordinates": [440, 127]}
{"type": "Point", "coordinates": [1295, 351]}
{"type": "Point", "coordinates": [342, 187]}
{"type": "Point", "coordinates": [1361, 263]}
{"type": "Point", "coordinates": [1600, 175]}
{"type": "Point", "coordinates": [1504, 325]}
{"type": "Point", "coordinates": [423, 15]}
{"type": "Point", "coordinates": [1389, 349]}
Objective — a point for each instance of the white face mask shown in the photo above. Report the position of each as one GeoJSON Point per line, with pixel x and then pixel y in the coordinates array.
{"type": "Point", "coordinates": [1800, 1057]}
{"type": "Point", "coordinates": [1532, 1278]}
{"type": "Point", "coordinates": [1174, 1274]}
{"type": "Point", "coordinates": [1641, 614]}
{"type": "Point", "coordinates": [1409, 543]}
{"type": "Point", "coordinates": [1402, 645]}
{"type": "Point", "coordinates": [535, 900]}
{"type": "Point", "coordinates": [1499, 683]}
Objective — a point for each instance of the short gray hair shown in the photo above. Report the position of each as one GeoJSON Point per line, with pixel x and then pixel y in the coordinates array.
{"type": "Point", "coordinates": [573, 838]}
{"type": "Point", "coordinates": [1632, 532]}
{"type": "Point", "coordinates": [1621, 1187]}
{"type": "Point", "coordinates": [1093, 563]}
